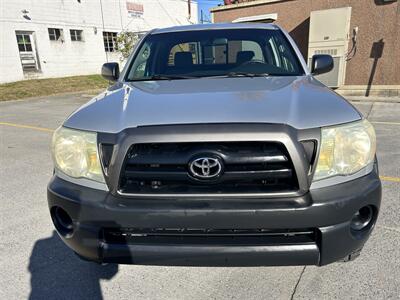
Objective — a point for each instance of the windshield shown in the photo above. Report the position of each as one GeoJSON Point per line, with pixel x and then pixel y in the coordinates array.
{"type": "Point", "coordinates": [208, 53]}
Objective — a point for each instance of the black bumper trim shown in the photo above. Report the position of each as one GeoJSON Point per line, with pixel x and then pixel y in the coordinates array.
{"type": "Point", "coordinates": [327, 210]}
{"type": "Point", "coordinates": [211, 255]}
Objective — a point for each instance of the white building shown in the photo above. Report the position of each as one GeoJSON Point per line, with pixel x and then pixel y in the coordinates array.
{"type": "Point", "coordinates": [55, 38]}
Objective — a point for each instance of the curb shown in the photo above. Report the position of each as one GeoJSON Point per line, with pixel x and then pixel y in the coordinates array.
{"type": "Point", "coordinates": [373, 99]}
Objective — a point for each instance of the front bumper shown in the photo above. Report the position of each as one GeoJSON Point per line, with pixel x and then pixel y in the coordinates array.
{"type": "Point", "coordinates": [326, 211]}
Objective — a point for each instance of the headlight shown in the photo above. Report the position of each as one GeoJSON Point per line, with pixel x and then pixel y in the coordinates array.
{"type": "Point", "coordinates": [75, 153]}
{"type": "Point", "coordinates": [345, 149]}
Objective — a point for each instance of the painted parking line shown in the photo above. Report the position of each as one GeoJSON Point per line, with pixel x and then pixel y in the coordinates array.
{"type": "Point", "coordinates": [385, 123]}
{"type": "Point", "coordinates": [385, 178]}
{"type": "Point", "coordinates": [27, 126]}
{"type": "Point", "coordinates": [389, 178]}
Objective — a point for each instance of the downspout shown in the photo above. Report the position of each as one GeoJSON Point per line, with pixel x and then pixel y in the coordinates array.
{"type": "Point", "coordinates": [102, 21]}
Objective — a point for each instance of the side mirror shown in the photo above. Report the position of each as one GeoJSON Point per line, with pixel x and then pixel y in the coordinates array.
{"type": "Point", "coordinates": [321, 63]}
{"type": "Point", "coordinates": [110, 71]}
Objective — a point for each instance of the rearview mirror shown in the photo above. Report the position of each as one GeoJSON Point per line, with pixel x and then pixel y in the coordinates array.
{"type": "Point", "coordinates": [110, 71]}
{"type": "Point", "coordinates": [321, 63]}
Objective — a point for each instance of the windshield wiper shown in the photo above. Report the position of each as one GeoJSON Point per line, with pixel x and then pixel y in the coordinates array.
{"type": "Point", "coordinates": [169, 77]}
{"type": "Point", "coordinates": [172, 77]}
{"type": "Point", "coordinates": [246, 74]}
{"type": "Point", "coordinates": [163, 77]}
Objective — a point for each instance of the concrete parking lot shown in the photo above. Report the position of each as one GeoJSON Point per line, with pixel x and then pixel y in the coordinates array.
{"type": "Point", "coordinates": [35, 263]}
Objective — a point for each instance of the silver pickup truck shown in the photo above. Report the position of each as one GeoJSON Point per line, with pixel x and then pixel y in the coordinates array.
{"type": "Point", "coordinates": [216, 146]}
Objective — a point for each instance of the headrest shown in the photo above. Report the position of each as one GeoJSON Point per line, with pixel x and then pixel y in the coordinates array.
{"type": "Point", "coordinates": [244, 56]}
{"type": "Point", "coordinates": [183, 59]}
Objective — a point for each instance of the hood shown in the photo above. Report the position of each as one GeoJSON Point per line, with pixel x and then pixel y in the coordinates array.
{"type": "Point", "coordinates": [301, 102]}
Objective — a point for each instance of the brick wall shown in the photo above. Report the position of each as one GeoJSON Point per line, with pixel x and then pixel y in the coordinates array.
{"type": "Point", "coordinates": [375, 20]}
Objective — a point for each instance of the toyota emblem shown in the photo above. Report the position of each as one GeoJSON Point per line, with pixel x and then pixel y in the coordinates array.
{"type": "Point", "coordinates": [205, 167]}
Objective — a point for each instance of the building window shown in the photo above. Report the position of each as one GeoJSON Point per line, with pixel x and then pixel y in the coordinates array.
{"type": "Point", "coordinates": [110, 41]}
{"type": "Point", "coordinates": [24, 42]}
{"type": "Point", "coordinates": [76, 35]}
{"type": "Point", "coordinates": [54, 34]}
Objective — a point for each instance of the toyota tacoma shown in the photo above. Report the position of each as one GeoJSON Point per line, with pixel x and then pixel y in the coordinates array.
{"type": "Point", "coordinates": [216, 146]}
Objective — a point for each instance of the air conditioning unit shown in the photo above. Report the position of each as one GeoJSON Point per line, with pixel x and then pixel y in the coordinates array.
{"type": "Point", "coordinates": [332, 78]}
{"type": "Point", "coordinates": [329, 34]}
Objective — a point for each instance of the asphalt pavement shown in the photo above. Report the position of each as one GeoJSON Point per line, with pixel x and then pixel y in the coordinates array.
{"type": "Point", "coordinates": [35, 263]}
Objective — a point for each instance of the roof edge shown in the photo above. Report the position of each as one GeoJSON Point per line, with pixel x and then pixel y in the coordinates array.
{"type": "Point", "coordinates": [214, 26]}
{"type": "Point", "coordinates": [244, 4]}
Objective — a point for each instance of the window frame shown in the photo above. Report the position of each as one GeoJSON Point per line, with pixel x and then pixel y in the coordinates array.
{"type": "Point", "coordinates": [110, 37]}
{"type": "Point", "coordinates": [77, 37]}
{"type": "Point", "coordinates": [25, 42]}
{"type": "Point", "coordinates": [54, 34]}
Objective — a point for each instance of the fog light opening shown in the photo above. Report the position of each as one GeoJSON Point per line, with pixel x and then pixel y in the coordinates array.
{"type": "Point", "coordinates": [362, 219]}
{"type": "Point", "coordinates": [62, 221]}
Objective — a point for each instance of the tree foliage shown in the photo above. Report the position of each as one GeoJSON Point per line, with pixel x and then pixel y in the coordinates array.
{"type": "Point", "coordinates": [125, 43]}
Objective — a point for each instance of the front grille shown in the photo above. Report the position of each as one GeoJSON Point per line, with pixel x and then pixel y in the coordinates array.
{"type": "Point", "coordinates": [208, 236]}
{"type": "Point", "coordinates": [248, 167]}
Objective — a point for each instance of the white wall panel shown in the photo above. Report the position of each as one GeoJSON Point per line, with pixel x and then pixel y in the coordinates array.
{"type": "Point", "coordinates": [68, 58]}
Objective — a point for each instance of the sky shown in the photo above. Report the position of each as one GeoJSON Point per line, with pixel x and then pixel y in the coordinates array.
{"type": "Point", "coordinates": [205, 5]}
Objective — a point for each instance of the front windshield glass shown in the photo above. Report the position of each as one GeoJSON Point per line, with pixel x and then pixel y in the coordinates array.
{"type": "Point", "coordinates": [209, 53]}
